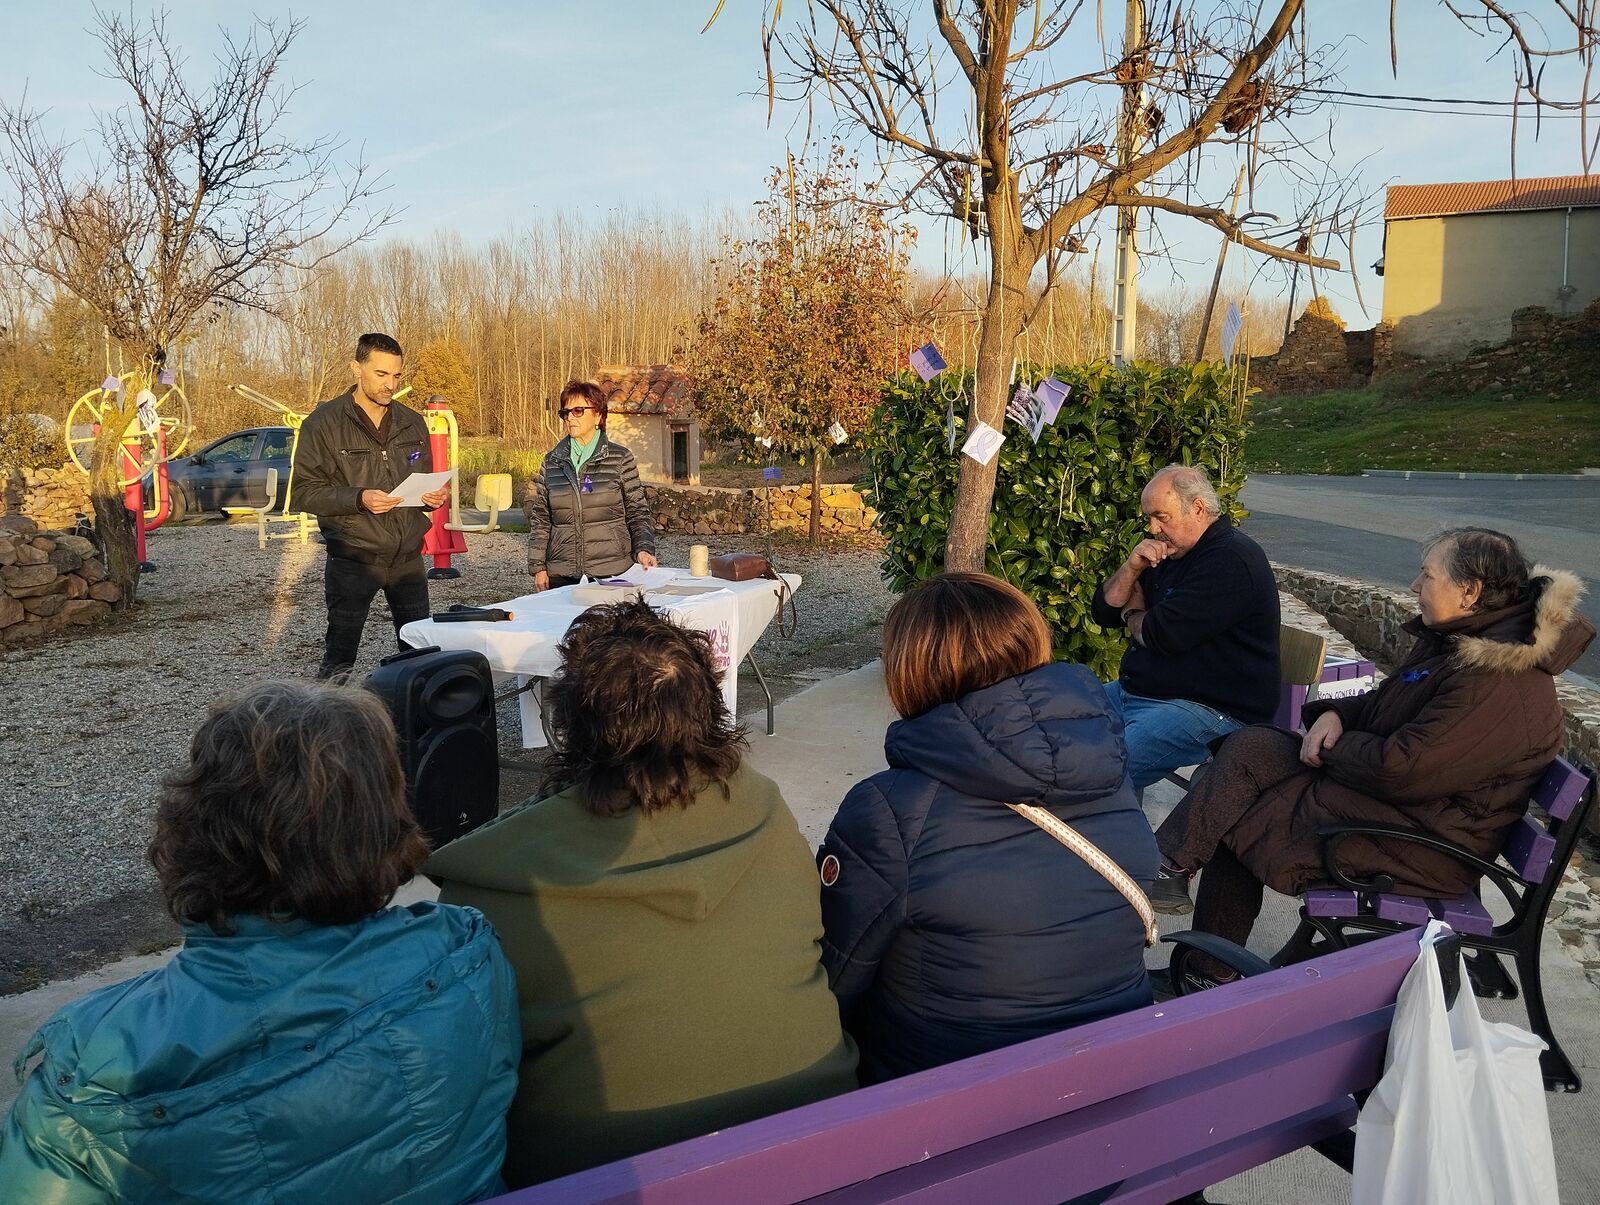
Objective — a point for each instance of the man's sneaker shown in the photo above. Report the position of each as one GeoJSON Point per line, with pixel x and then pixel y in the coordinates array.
{"type": "Point", "coordinates": [1170, 893]}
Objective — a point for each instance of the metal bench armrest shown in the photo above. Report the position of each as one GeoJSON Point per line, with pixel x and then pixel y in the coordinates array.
{"type": "Point", "coordinates": [1234, 957]}
{"type": "Point", "coordinates": [1335, 835]}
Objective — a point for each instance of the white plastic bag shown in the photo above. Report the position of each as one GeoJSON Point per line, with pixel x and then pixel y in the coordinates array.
{"type": "Point", "coordinates": [1459, 1115]}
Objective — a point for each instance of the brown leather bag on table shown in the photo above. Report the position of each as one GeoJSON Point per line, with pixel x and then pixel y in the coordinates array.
{"type": "Point", "coordinates": [747, 566]}
{"type": "Point", "coordinates": [741, 566]}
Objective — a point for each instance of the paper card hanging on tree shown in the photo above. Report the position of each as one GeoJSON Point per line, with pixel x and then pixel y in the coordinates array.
{"type": "Point", "coordinates": [927, 361]}
{"type": "Point", "coordinates": [838, 434]}
{"type": "Point", "coordinates": [1232, 324]}
{"type": "Point", "coordinates": [148, 417]}
{"type": "Point", "coordinates": [764, 440]}
{"type": "Point", "coordinates": [111, 385]}
{"type": "Point", "coordinates": [169, 376]}
{"type": "Point", "coordinates": [772, 473]}
{"type": "Point", "coordinates": [1024, 409]}
{"type": "Point", "coordinates": [983, 443]}
{"type": "Point", "coordinates": [1051, 394]}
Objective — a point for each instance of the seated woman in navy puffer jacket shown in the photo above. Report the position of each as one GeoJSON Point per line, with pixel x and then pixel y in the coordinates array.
{"type": "Point", "coordinates": [307, 1043]}
{"type": "Point", "coordinates": [952, 924]}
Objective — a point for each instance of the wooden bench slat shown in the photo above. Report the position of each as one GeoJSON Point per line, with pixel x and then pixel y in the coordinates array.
{"type": "Point", "coordinates": [1331, 901]}
{"type": "Point", "coordinates": [1404, 909]}
{"type": "Point", "coordinates": [1529, 849]}
{"type": "Point", "coordinates": [1111, 1142]}
{"type": "Point", "coordinates": [1464, 914]}
{"type": "Point", "coordinates": [1560, 789]}
{"type": "Point", "coordinates": [861, 1135]}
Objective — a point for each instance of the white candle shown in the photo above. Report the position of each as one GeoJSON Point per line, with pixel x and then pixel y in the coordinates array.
{"type": "Point", "coordinates": [699, 560]}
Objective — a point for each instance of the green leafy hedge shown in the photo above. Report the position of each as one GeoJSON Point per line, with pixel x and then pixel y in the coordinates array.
{"type": "Point", "coordinates": [1067, 510]}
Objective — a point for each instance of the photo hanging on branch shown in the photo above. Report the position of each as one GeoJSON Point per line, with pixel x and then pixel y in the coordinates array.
{"type": "Point", "coordinates": [838, 434]}
{"type": "Point", "coordinates": [1024, 410]}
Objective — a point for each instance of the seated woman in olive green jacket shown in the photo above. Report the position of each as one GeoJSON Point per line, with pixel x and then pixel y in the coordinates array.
{"type": "Point", "coordinates": [661, 911]}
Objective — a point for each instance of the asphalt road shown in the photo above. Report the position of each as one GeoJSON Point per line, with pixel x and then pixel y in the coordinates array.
{"type": "Point", "coordinates": [1371, 527]}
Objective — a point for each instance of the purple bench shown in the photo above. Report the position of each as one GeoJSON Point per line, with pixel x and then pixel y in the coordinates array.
{"type": "Point", "coordinates": [1527, 876]}
{"type": "Point", "coordinates": [1144, 1107]}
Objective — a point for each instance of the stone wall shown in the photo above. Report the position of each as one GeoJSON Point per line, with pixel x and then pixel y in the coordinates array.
{"type": "Point", "coordinates": [52, 497]}
{"type": "Point", "coordinates": [49, 580]}
{"type": "Point", "coordinates": [1370, 618]}
{"type": "Point", "coordinates": [712, 510]}
{"type": "Point", "coordinates": [1316, 355]}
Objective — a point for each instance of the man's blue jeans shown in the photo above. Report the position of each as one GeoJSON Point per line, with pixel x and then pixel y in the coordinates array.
{"type": "Point", "coordinates": [1163, 734]}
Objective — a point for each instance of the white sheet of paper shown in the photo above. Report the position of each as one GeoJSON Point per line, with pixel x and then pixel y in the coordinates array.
{"type": "Point", "coordinates": [983, 443]}
{"type": "Point", "coordinates": [410, 490]}
{"type": "Point", "coordinates": [649, 578]}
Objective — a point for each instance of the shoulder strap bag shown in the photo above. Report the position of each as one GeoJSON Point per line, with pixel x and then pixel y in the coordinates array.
{"type": "Point", "coordinates": [1097, 859]}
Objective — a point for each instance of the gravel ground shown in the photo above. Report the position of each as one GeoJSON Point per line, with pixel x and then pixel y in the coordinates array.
{"type": "Point", "coordinates": [91, 723]}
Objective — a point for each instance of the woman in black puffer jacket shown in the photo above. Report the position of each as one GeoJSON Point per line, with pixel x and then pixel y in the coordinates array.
{"type": "Point", "coordinates": [586, 510]}
{"type": "Point", "coordinates": [952, 924]}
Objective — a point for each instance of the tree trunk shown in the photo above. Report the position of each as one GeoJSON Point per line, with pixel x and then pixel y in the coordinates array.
{"type": "Point", "coordinates": [817, 454]}
{"type": "Point", "coordinates": [113, 522]}
{"type": "Point", "coordinates": [967, 543]}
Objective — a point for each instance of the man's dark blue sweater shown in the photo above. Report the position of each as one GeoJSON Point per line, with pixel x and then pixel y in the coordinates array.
{"type": "Point", "coordinates": [1210, 631]}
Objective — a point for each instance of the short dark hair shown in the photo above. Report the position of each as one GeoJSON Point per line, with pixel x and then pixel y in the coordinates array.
{"type": "Point", "coordinates": [589, 392]}
{"type": "Point", "coordinates": [292, 804]}
{"type": "Point", "coordinates": [374, 341]}
{"type": "Point", "coordinates": [1490, 558]}
{"type": "Point", "coordinates": [637, 714]}
{"type": "Point", "coordinates": [957, 633]}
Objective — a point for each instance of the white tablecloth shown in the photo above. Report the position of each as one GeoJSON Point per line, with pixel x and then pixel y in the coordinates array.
{"type": "Point", "coordinates": [525, 646]}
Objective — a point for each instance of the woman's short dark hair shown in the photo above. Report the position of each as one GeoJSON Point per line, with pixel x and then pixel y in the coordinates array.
{"type": "Point", "coordinates": [956, 633]}
{"type": "Point", "coordinates": [637, 713]}
{"type": "Point", "coordinates": [589, 392]}
{"type": "Point", "coordinates": [1490, 558]}
{"type": "Point", "coordinates": [292, 804]}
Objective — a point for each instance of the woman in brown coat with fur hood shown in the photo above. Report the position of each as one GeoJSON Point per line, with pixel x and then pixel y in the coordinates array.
{"type": "Point", "coordinates": [1451, 744]}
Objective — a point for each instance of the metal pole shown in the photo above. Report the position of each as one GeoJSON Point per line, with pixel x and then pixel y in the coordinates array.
{"type": "Point", "coordinates": [1125, 311]}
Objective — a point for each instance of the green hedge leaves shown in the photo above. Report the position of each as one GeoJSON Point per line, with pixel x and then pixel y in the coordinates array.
{"type": "Point", "coordinates": [1066, 511]}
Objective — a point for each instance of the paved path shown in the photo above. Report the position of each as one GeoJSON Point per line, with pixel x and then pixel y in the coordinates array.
{"type": "Point", "coordinates": [1370, 527]}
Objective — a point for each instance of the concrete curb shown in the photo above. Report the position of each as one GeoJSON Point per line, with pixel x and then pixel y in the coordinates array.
{"type": "Point", "coordinates": [1445, 475]}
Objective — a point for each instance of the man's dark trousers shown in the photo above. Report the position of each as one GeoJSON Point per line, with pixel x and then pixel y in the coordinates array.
{"type": "Point", "coordinates": [350, 586]}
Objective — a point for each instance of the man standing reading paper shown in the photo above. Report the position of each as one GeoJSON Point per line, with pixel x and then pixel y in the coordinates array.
{"type": "Point", "coordinates": [354, 451]}
{"type": "Point", "coordinates": [1201, 607]}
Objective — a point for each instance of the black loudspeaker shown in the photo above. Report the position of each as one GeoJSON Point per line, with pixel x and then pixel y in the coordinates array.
{"type": "Point", "coordinates": [443, 709]}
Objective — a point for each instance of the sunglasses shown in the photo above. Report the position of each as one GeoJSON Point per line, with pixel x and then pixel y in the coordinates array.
{"type": "Point", "coordinates": [571, 410]}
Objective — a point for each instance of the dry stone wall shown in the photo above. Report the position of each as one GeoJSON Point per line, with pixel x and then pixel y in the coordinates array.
{"type": "Point", "coordinates": [1370, 617]}
{"type": "Point", "coordinates": [49, 581]}
{"type": "Point", "coordinates": [711, 510]}
{"type": "Point", "coordinates": [52, 497]}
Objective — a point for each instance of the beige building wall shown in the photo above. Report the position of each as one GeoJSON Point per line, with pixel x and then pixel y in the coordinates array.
{"type": "Point", "coordinates": [1452, 282]}
{"type": "Point", "coordinates": [649, 438]}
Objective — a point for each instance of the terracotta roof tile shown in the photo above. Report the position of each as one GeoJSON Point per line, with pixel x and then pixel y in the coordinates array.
{"type": "Point", "coordinates": [646, 388]}
{"type": "Point", "coordinates": [1491, 196]}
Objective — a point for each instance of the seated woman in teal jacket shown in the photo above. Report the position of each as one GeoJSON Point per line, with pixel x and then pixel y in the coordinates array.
{"type": "Point", "coordinates": [307, 1043]}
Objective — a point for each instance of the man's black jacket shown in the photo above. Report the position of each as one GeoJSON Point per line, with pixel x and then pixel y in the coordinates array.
{"type": "Point", "coordinates": [339, 455]}
{"type": "Point", "coordinates": [1210, 634]}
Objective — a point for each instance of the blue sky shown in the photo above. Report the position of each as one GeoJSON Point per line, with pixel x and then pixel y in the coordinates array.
{"type": "Point", "coordinates": [484, 115]}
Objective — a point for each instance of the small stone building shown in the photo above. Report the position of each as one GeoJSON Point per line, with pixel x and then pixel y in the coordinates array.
{"type": "Point", "coordinates": [651, 413]}
{"type": "Point", "coordinates": [1459, 258]}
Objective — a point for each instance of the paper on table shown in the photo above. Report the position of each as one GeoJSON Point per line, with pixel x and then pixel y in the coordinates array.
{"type": "Point", "coordinates": [983, 443]}
{"type": "Point", "coordinates": [410, 490]}
{"type": "Point", "coordinates": [648, 578]}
